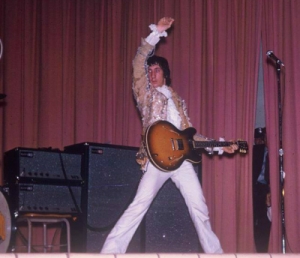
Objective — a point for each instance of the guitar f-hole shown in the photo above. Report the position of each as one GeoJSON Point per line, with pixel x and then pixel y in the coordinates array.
{"type": "Point", "coordinates": [174, 158]}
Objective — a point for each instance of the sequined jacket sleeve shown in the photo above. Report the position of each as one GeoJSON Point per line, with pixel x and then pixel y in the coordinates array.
{"type": "Point", "coordinates": [140, 81]}
{"type": "Point", "coordinates": [151, 104]}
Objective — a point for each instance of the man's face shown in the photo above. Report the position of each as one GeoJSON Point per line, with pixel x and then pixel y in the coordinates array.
{"type": "Point", "coordinates": [156, 75]}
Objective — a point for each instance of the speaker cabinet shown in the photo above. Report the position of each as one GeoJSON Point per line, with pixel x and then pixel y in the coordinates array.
{"type": "Point", "coordinates": [44, 181]}
{"type": "Point", "coordinates": [45, 198]}
{"type": "Point", "coordinates": [42, 165]}
{"type": "Point", "coordinates": [111, 176]}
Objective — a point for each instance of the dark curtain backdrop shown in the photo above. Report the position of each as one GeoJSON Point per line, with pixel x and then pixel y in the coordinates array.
{"type": "Point", "coordinates": [66, 70]}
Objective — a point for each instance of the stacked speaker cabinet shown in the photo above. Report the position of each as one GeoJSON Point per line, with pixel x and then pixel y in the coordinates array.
{"type": "Point", "coordinates": [43, 181]}
{"type": "Point", "coordinates": [111, 176]}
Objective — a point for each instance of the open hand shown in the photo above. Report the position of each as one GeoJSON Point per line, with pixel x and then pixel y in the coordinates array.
{"type": "Point", "coordinates": [164, 24]}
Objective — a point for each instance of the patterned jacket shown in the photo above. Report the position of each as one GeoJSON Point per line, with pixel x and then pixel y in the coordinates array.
{"type": "Point", "coordinates": [151, 103]}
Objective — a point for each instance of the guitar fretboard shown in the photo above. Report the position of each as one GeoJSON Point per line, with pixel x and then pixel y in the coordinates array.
{"type": "Point", "coordinates": [206, 144]}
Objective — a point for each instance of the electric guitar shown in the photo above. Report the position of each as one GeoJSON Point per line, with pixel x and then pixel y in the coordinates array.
{"type": "Point", "coordinates": [167, 147]}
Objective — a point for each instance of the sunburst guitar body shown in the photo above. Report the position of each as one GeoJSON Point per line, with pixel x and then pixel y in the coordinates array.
{"type": "Point", "coordinates": [167, 147]}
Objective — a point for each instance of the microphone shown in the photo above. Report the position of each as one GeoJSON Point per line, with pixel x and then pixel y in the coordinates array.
{"type": "Point", "coordinates": [275, 58]}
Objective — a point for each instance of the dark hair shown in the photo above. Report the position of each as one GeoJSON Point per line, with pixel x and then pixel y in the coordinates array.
{"type": "Point", "coordinates": [163, 64]}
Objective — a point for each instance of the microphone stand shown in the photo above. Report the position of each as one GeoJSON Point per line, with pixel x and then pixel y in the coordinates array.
{"type": "Point", "coordinates": [281, 171]}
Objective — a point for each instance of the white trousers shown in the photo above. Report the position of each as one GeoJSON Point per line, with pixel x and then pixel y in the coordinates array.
{"type": "Point", "coordinates": [187, 182]}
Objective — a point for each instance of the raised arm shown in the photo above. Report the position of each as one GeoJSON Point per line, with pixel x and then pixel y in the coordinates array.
{"type": "Point", "coordinates": [140, 82]}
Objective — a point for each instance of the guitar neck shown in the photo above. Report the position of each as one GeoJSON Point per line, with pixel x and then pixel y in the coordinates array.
{"type": "Point", "coordinates": [207, 144]}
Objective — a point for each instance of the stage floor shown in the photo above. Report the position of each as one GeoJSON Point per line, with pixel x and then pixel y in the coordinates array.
{"type": "Point", "coordinates": [154, 255]}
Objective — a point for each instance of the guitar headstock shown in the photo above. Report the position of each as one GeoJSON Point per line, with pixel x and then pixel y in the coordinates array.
{"type": "Point", "coordinates": [243, 146]}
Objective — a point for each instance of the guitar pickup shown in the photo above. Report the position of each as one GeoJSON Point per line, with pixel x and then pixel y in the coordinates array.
{"type": "Point", "coordinates": [177, 144]}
